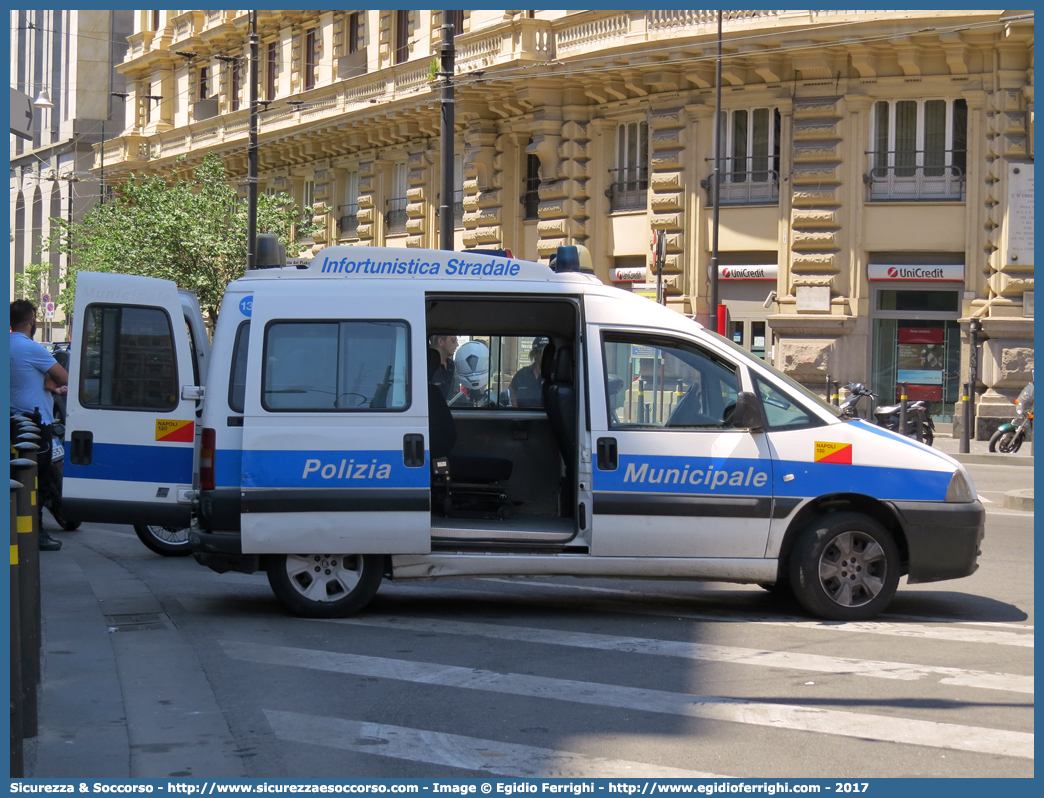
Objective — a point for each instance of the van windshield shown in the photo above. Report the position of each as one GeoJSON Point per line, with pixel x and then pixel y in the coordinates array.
{"type": "Point", "coordinates": [797, 386]}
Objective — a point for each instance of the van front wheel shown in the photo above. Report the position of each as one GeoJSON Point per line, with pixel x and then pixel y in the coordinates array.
{"type": "Point", "coordinates": [325, 585]}
{"type": "Point", "coordinates": [844, 567]}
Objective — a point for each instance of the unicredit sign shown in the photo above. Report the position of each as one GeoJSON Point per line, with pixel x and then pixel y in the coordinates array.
{"type": "Point", "coordinates": [767, 272]}
{"type": "Point", "coordinates": [635, 274]}
{"type": "Point", "coordinates": [890, 271]}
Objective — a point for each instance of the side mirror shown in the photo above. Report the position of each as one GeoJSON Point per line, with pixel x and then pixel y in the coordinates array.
{"type": "Point", "coordinates": [747, 414]}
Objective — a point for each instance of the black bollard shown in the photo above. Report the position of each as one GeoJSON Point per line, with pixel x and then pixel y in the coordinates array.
{"type": "Point", "coordinates": [902, 409]}
{"type": "Point", "coordinates": [966, 420]}
{"type": "Point", "coordinates": [28, 586]}
{"type": "Point", "coordinates": [17, 758]}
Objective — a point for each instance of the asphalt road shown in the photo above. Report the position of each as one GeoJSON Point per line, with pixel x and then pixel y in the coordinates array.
{"type": "Point", "coordinates": [157, 667]}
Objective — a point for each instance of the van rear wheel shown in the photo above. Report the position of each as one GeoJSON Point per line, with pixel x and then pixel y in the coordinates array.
{"type": "Point", "coordinates": [844, 567]}
{"type": "Point", "coordinates": [325, 585]}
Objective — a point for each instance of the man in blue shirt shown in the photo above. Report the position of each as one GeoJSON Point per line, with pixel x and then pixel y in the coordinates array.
{"type": "Point", "coordinates": [35, 374]}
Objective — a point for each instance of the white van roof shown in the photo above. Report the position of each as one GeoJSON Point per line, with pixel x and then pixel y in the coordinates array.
{"type": "Point", "coordinates": [446, 270]}
{"type": "Point", "coordinates": [383, 263]}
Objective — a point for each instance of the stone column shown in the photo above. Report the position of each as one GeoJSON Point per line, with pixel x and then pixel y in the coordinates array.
{"type": "Point", "coordinates": [667, 195]}
{"type": "Point", "coordinates": [323, 207]}
{"type": "Point", "coordinates": [483, 200]}
{"type": "Point", "coordinates": [370, 196]}
{"type": "Point", "coordinates": [417, 221]}
{"type": "Point", "coordinates": [809, 336]}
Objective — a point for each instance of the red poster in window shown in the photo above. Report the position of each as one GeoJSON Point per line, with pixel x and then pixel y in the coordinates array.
{"type": "Point", "coordinates": [921, 335]}
{"type": "Point", "coordinates": [927, 393]}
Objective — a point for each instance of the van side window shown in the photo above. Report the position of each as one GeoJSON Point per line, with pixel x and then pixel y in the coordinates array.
{"type": "Point", "coordinates": [128, 359]}
{"type": "Point", "coordinates": [336, 366]}
{"type": "Point", "coordinates": [193, 353]}
{"type": "Point", "coordinates": [659, 383]}
{"type": "Point", "coordinates": [781, 412]}
{"type": "Point", "coordinates": [237, 378]}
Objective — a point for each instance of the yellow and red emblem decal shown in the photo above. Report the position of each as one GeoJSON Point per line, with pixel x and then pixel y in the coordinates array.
{"type": "Point", "coordinates": [175, 430]}
{"type": "Point", "coordinates": [840, 453]}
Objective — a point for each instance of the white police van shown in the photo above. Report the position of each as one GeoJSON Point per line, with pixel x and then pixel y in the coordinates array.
{"type": "Point", "coordinates": [648, 447]}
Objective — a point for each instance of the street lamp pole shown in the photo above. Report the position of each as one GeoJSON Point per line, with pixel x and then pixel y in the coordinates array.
{"type": "Point", "coordinates": [446, 131]}
{"type": "Point", "coordinates": [716, 188]}
{"type": "Point", "coordinates": [252, 150]}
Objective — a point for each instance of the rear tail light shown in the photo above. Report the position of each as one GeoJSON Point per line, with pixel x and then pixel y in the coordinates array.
{"type": "Point", "coordinates": [206, 460]}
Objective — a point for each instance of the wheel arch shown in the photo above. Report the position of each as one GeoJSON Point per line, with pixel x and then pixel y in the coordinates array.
{"type": "Point", "coordinates": [840, 502]}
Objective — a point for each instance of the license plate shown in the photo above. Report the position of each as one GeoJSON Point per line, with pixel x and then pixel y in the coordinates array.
{"type": "Point", "coordinates": [57, 450]}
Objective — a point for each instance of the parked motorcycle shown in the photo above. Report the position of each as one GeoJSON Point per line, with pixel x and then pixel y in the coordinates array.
{"type": "Point", "coordinates": [1009, 437]}
{"type": "Point", "coordinates": [887, 416]}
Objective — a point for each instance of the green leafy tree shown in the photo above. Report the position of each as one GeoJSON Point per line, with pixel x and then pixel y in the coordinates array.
{"type": "Point", "coordinates": [31, 282]}
{"type": "Point", "coordinates": [192, 231]}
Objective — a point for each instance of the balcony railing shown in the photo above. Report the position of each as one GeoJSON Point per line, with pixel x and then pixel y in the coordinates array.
{"type": "Point", "coordinates": [395, 215]}
{"type": "Point", "coordinates": [935, 176]}
{"type": "Point", "coordinates": [629, 190]}
{"type": "Point", "coordinates": [746, 181]}
{"type": "Point", "coordinates": [348, 221]}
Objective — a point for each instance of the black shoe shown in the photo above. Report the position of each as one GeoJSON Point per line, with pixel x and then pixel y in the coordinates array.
{"type": "Point", "coordinates": [47, 543]}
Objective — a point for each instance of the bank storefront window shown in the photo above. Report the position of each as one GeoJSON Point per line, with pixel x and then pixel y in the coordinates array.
{"type": "Point", "coordinates": [915, 343]}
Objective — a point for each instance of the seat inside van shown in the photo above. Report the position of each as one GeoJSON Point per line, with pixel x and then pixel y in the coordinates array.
{"type": "Point", "coordinates": [534, 440]}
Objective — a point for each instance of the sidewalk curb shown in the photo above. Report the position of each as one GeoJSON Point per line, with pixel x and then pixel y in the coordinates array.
{"type": "Point", "coordinates": [993, 459]}
{"type": "Point", "coordinates": [1019, 500]}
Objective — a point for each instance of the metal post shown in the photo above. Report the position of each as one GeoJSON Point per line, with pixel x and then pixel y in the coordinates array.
{"type": "Point", "coordinates": [252, 150]}
{"type": "Point", "coordinates": [17, 763]}
{"type": "Point", "coordinates": [828, 386]}
{"type": "Point", "coordinates": [973, 370]}
{"type": "Point", "coordinates": [659, 256]}
{"type": "Point", "coordinates": [715, 188]}
{"type": "Point", "coordinates": [966, 419]}
{"type": "Point", "coordinates": [902, 409]}
{"type": "Point", "coordinates": [446, 131]}
{"type": "Point", "coordinates": [28, 585]}
{"type": "Point", "coordinates": [641, 402]}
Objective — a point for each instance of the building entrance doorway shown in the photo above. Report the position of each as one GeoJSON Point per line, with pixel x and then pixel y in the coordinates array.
{"type": "Point", "coordinates": [917, 340]}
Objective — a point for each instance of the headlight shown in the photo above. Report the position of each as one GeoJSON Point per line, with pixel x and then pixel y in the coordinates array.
{"type": "Point", "coordinates": [960, 489]}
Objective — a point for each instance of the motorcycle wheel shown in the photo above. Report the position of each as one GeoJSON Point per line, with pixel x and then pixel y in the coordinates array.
{"type": "Point", "coordinates": [166, 540]}
{"type": "Point", "coordinates": [62, 521]}
{"type": "Point", "coordinates": [927, 435]}
{"type": "Point", "coordinates": [1005, 441]}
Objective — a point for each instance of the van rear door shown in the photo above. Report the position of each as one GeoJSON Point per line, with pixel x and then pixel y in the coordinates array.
{"type": "Point", "coordinates": [335, 423]}
{"type": "Point", "coordinates": [132, 403]}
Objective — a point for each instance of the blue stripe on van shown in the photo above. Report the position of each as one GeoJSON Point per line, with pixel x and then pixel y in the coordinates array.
{"type": "Point", "coordinates": [712, 476]}
{"type": "Point", "coordinates": [736, 477]}
{"type": "Point", "coordinates": [123, 462]}
{"type": "Point", "coordinates": [881, 482]}
{"type": "Point", "coordinates": [228, 467]}
{"type": "Point", "coordinates": [330, 469]}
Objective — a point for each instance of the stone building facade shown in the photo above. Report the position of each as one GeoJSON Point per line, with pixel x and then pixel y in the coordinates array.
{"type": "Point", "coordinates": [71, 55]}
{"type": "Point", "coordinates": [876, 166]}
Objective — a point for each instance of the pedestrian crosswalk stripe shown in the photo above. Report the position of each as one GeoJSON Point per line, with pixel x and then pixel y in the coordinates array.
{"type": "Point", "coordinates": [699, 651]}
{"type": "Point", "coordinates": [453, 750]}
{"type": "Point", "coordinates": [959, 635]}
{"type": "Point", "coordinates": [793, 717]}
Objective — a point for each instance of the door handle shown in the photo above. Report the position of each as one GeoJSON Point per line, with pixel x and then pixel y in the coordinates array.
{"type": "Point", "coordinates": [607, 454]}
{"type": "Point", "coordinates": [413, 450]}
{"type": "Point", "coordinates": [81, 447]}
